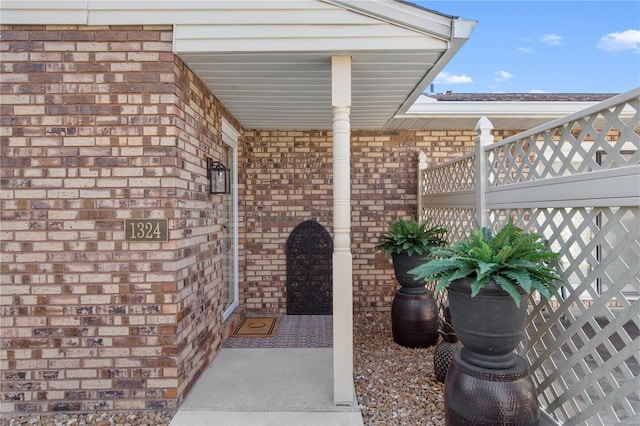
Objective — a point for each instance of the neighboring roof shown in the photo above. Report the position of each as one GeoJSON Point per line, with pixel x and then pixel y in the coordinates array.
{"type": "Point", "coordinates": [269, 62]}
{"type": "Point", "coordinates": [520, 97]}
{"type": "Point", "coordinates": [507, 111]}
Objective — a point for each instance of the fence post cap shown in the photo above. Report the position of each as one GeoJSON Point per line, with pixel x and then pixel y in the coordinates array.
{"type": "Point", "coordinates": [484, 124]}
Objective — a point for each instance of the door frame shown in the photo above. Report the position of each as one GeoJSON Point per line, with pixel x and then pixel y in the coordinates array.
{"type": "Point", "coordinates": [230, 138]}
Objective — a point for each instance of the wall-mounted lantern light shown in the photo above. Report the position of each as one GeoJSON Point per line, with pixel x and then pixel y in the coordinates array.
{"type": "Point", "coordinates": [218, 175]}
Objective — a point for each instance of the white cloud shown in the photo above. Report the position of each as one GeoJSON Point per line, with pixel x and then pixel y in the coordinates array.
{"type": "Point", "coordinates": [502, 76]}
{"type": "Point", "coordinates": [551, 39]}
{"type": "Point", "coordinates": [448, 78]}
{"type": "Point", "coordinates": [618, 42]}
{"type": "Point", "coordinates": [525, 49]}
{"type": "Point", "coordinates": [537, 91]}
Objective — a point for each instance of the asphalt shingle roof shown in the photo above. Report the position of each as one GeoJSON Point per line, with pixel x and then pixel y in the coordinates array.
{"type": "Point", "coordinates": [519, 97]}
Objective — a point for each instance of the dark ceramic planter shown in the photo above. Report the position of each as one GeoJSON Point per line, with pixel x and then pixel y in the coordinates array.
{"type": "Point", "coordinates": [414, 320]}
{"type": "Point", "coordinates": [489, 325]}
{"type": "Point", "coordinates": [480, 396]}
{"type": "Point", "coordinates": [442, 358]}
{"type": "Point", "coordinates": [402, 264]}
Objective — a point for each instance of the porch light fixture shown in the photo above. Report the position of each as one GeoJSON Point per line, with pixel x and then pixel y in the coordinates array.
{"type": "Point", "coordinates": [218, 175]}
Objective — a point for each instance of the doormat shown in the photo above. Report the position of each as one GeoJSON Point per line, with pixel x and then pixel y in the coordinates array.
{"type": "Point", "coordinates": [257, 327]}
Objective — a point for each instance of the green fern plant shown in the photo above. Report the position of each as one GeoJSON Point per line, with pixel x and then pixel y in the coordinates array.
{"type": "Point", "coordinates": [410, 237]}
{"type": "Point", "coordinates": [511, 258]}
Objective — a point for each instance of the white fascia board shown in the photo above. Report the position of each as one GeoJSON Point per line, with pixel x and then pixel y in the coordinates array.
{"type": "Point", "coordinates": [44, 12]}
{"type": "Point", "coordinates": [397, 13]}
{"type": "Point", "coordinates": [462, 28]}
{"type": "Point", "coordinates": [455, 44]}
{"type": "Point", "coordinates": [494, 109]}
{"type": "Point", "coordinates": [454, 31]}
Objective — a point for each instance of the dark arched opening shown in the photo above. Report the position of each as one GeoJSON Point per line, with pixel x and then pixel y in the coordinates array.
{"type": "Point", "coordinates": [309, 270]}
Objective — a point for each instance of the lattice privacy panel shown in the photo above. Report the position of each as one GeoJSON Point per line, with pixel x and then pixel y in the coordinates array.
{"type": "Point", "coordinates": [457, 176]}
{"type": "Point", "coordinates": [563, 151]}
{"type": "Point", "coordinates": [583, 346]}
{"type": "Point", "coordinates": [457, 221]}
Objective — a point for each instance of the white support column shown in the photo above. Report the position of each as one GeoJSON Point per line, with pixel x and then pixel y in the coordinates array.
{"type": "Point", "coordinates": [484, 139]}
{"type": "Point", "coordinates": [343, 389]}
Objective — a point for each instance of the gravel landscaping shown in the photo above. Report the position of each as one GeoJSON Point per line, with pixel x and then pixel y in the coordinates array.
{"type": "Point", "coordinates": [91, 419]}
{"type": "Point", "coordinates": [395, 386]}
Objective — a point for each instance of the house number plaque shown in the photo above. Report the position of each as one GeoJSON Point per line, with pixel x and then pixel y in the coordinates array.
{"type": "Point", "coordinates": [146, 230]}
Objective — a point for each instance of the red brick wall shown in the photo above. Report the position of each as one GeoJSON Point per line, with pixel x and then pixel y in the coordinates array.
{"type": "Point", "coordinates": [95, 129]}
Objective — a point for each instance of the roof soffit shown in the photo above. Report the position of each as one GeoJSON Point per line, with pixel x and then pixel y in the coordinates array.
{"type": "Point", "coordinates": [285, 69]}
{"type": "Point", "coordinates": [269, 61]}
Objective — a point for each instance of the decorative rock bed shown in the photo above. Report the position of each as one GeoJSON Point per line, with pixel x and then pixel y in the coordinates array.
{"type": "Point", "coordinates": [90, 419]}
{"type": "Point", "coordinates": [395, 385]}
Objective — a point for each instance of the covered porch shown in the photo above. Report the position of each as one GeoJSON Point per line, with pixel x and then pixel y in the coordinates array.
{"type": "Point", "coordinates": [324, 66]}
{"type": "Point", "coordinates": [310, 103]}
{"type": "Point", "coordinates": [318, 66]}
{"type": "Point", "coordinates": [314, 67]}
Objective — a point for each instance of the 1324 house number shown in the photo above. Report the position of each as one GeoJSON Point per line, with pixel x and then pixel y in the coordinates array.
{"type": "Point", "coordinates": [146, 230]}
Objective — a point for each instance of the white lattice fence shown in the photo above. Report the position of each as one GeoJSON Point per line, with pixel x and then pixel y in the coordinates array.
{"type": "Point", "coordinates": [577, 182]}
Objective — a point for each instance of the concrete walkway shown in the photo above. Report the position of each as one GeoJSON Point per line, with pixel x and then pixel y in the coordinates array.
{"type": "Point", "coordinates": [267, 386]}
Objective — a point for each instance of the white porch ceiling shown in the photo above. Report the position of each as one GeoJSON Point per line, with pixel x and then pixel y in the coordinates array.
{"type": "Point", "coordinates": [293, 90]}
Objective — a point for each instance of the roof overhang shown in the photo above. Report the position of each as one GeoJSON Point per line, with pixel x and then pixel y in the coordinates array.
{"type": "Point", "coordinates": [269, 62]}
{"type": "Point", "coordinates": [429, 114]}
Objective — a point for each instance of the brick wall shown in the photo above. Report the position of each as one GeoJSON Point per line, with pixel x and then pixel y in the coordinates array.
{"type": "Point", "coordinates": [286, 178]}
{"type": "Point", "coordinates": [99, 125]}
{"type": "Point", "coordinates": [384, 172]}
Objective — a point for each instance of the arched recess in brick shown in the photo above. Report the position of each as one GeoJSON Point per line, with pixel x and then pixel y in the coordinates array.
{"type": "Point", "coordinates": [309, 270]}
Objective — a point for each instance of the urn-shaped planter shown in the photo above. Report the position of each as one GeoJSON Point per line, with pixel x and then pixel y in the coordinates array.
{"type": "Point", "coordinates": [402, 264]}
{"type": "Point", "coordinates": [414, 319]}
{"type": "Point", "coordinates": [443, 352]}
{"type": "Point", "coordinates": [487, 383]}
{"type": "Point", "coordinates": [442, 357]}
{"type": "Point", "coordinates": [490, 325]}
{"type": "Point", "coordinates": [414, 314]}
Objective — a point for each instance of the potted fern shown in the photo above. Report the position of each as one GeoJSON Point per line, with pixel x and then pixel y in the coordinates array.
{"type": "Point", "coordinates": [414, 315]}
{"type": "Point", "coordinates": [488, 278]}
{"type": "Point", "coordinates": [409, 242]}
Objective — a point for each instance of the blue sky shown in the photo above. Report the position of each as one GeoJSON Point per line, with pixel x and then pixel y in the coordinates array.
{"type": "Point", "coordinates": [544, 46]}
